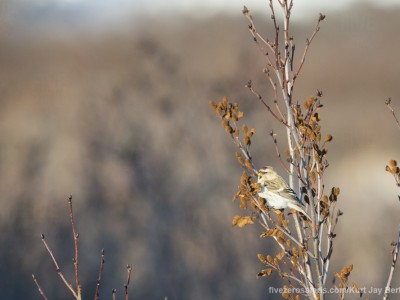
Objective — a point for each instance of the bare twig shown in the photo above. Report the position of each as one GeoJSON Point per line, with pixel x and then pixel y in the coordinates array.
{"type": "Point", "coordinates": [128, 280]}
{"type": "Point", "coordinates": [76, 242]}
{"type": "Point", "coordinates": [308, 43]}
{"type": "Point", "coordinates": [395, 253]}
{"type": "Point", "coordinates": [69, 286]}
{"type": "Point", "coordinates": [387, 102]}
{"type": "Point", "coordinates": [96, 295]}
{"type": "Point", "coordinates": [39, 287]}
{"type": "Point", "coordinates": [260, 98]}
{"type": "Point", "coordinates": [273, 136]}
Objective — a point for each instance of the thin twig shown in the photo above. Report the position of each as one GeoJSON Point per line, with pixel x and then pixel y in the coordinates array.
{"type": "Point", "coordinates": [273, 136]}
{"type": "Point", "coordinates": [39, 287]}
{"type": "Point", "coordinates": [260, 98]}
{"type": "Point", "coordinates": [76, 242]}
{"type": "Point", "coordinates": [395, 253]}
{"type": "Point", "coordinates": [129, 269]}
{"type": "Point", "coordinates": [96, 295]}
{"type": "Point", "coordinates": [69, 286]}
{"type": "Point", "coordinates": [273, 85]}
{"type": "Point", "coordinates": [308, 43]}
{"type": "Point", "coordinates": [257, 36]}
{"type": "Point", "coordinates": [387, 102]}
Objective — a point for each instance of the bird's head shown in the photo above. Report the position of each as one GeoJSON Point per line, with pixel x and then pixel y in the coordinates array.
{"type": "Point", "coordinates": [266, 173]}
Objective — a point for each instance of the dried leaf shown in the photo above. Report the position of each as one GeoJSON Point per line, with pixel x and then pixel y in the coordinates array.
{"type": "Point", "coordinates": [280, 255]}
{"type": "Point", "coordinates": [328, 138]}
{"type": "Point", "coordinates": [261, 258]}
{"type": "Point", "coordinates": [280, 240]}
{"type": "Point", "coordinates": [265, 272]}
{"type": "Point", "coordinates": [295, 252]}
{"type": "Point", "coordinates": [241, 221]}
{"type": "Point", "coordinates": [248, 164]}
{"type": "Point", "coordinates": [239, 158]}
{"type": "Point", "coordinates": [213, 105]}
{"type": "Point", "coordinates": [270, 232]}
{"type": "Point", "coordinates": [286, 293]}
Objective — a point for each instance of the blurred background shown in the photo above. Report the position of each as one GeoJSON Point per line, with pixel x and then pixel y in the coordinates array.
{"type": "Point", "coordinates": [108, 101]}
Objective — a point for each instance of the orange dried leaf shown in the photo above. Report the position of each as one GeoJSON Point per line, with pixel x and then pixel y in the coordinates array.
{"type": "Point", "coordinates": [295, 252]}
{"type": "Point", "coordinates": [248, 164]}
{"type": "Point", "coordinates": [280, 240]}
{"type": "Point", "coordinates": [244, 179]}
{"type": "Point", "coordinates": [285, 293]}
{"type": "Point", "coordinates": [393, 163]}
{"type": "Point", "coordinates": [336, 191]}
{"type": "Point", "coordinates": [213, 105]}
{"type": "Point", "coordinates": [241, 221]}
{"type": "Point", "coordinates": [328, 138]}
{"type": "Point", "coordinates": [269, 232]}
{"type": "Point", "coordinates": [261, 258]}
{"type": "Point", "coordinates": [276, 261]}
{"type": "Point", "coordinates": [239, 158]}
{"type": "Point", "coordinates": [245, 129]}
{"type": "Point", "coordinates": [247, 140]}
{"type": "Point", "coordinates": [280, 255]}
{"type": "Point", "coordinates": [265, 272]}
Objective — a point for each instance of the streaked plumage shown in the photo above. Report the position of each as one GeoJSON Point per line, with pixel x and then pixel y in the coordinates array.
{"type": "Point", "coordinates": [277, 192]}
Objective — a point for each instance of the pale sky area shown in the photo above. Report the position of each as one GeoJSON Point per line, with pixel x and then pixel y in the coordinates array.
{"type": "Point", "coordinates": [109, 9]}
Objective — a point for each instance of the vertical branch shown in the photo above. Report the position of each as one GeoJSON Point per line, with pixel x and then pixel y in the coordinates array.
{"type": "Point", "coordinates": [395, 253]}
{"type": "Point", "coordinates": [76, 242]}
{"type": "Point", "coordinates": [129, 270]}
{"type": "Point", "coordinates": [96, 295]}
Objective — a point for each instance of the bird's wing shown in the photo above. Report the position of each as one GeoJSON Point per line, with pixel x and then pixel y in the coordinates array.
{"type": "Point", "coordinates": [280, 187]}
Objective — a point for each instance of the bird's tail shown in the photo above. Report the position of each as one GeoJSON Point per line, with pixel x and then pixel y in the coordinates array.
{"type": "Point", "coordinates": [300, 209]}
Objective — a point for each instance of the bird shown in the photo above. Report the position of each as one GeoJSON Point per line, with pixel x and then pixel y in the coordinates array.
{"type": "Point", "coordinates": [277, 192]}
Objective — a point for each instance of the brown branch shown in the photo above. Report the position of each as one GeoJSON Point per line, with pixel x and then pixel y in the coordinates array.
{"type": "Point", "coordinates": [273, 85]}
{"type": "Point", "coordinates": [260, 98]}
{"type": "Point", "coordinates": [96, 295]}
{"type": "Point", "coordinates": [129, 269]}
{"type": "Point", "coordinates": [39, 287]}
{"type": "Point", "coordinates": [308, 42]}
{"type": "Point", "coordinates": [257, 36]}
{"type": "Point", "coordinates": [273, 136]}
{"type": "Point", "coordinates": [387, 102]}
{"type": "Point", "coordinates": [76, 242]}
{"type": "Point", "coordinates": [69, 286]}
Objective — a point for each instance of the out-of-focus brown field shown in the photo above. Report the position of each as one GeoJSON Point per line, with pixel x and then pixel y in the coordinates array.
{"type": "Point", "coordinates": [119, 118]}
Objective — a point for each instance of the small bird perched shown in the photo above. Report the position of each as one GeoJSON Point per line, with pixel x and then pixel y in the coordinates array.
{"type": "Point", "coordinates": [277, 192]}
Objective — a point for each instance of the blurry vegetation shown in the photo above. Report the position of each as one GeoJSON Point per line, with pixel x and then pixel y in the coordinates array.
{"type": "Point", "coordinates": [120, 120]}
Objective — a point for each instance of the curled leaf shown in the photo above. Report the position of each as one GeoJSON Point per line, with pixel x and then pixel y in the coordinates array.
{"type": "Point", "coordinates": [241, 221]}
